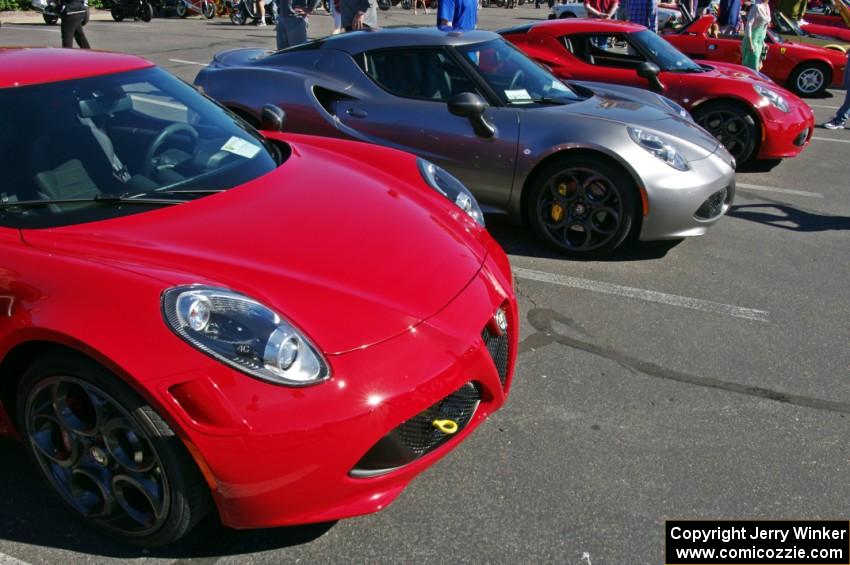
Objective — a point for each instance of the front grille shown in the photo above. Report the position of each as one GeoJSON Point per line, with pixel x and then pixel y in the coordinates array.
{"type": "Point", "coordinates": [498, 347]}
{"type": "Point", "coordinates": [713, 206]}
{"type": "Point", "coordinates": [418, 436]}
{"type": "Point", "coordinates": [800, 140]}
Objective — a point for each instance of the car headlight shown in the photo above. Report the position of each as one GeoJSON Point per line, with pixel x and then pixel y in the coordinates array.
{"type": "Point", "coordinates": [443, 182]}
{"type": "Point", "coordinates": [773, 97]}
{"type": "Point", "coordinates": [677, 108]}
{"type": "Point", "coordinates": [244, 334]}
{"type": "Point", "coordinates": [659, 148]}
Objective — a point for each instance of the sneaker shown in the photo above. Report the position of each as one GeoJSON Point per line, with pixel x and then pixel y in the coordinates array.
{"type": "Point", "coordinates": [834, 124]}
{"type": "Point", "coordinates": [262, 23]}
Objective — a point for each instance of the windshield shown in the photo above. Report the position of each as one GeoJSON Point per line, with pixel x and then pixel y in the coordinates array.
{"type": "Point", "coordinates": [136, 133]}
{"type": "Point", "coordinates": [515, 78]}
{"type": "Point", "coordinates": [667, 57]}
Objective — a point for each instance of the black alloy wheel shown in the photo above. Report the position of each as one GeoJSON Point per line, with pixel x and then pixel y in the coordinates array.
{"type": "Point", "coordinates": [117, 14]}
{"type": "Point", "coordinates": [49, 19]}
{"type": "Point", "coordinates": [384, 5]}
{"type": "Point", "coordinates": [145, 12]}
{"type": "Point", "coordinates": [584, 206]}
{"type": "Point", "coordinates": [732, 125]}
{"type": "Point", "coordinates": [107, 454]}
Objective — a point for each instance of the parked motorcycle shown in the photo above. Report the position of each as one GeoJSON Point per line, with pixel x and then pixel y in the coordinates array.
{"type": "Point", "coordinates": [49, 10]}
{"type": "Point", "coordinates": [136, 9]}
{"type": "Point", "coordinates": [184, 8]}
{"type": "Point", "coordinates": [245, 11]}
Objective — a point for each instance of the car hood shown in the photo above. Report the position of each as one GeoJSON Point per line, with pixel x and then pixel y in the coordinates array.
{"type": "Point", "coordinates": [350, 253]}
{"type": "Point", "coordinates": [719, 70]}
{"type": "Point", "coordinates": [639, 108]}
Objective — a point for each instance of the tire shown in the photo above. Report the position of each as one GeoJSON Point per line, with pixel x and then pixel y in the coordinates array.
{"type": "Point", "coordinates": [326, 4]}
{"type": "Point", "coordinates": [117, 14]}
{"type": "Point", "coordinates": [732, 125]}
{"type": "Point", "coordinates": [406, 4]}
{"type": "Point", "coordinates": [810, 79]}
{"type": "Point", "coordinates": [485, 3]}
{"type": "Point", "coordinates": [107, 454]}
{"type": "Point", "coordinates": [50, 20]}
{"type": "Point", "coordinates": [384, 5]}
{"type": "Point", "coordinates": [146, 12]}
{"type": "Point", "coordinates": [181, 10]}
{"type": "Point", "coordinates": [237, 16]}
{"type": "Point", "coordinates": [567, 15]}
{"type": "Point", "coordinates": [208, 10]}
{"type": "Point", "coordinates": [588, 192]}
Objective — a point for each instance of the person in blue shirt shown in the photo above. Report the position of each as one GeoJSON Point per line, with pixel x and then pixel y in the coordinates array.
{"type": "Point", "coordinates": [457, 15]}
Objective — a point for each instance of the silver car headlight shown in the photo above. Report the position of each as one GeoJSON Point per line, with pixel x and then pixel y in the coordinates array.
{"type": "Point", "coordinates": [677, 108]}
{"type": "Point", "coordinates": [244, 334]}
{"type": "Point", "coordinates": [660, 148]}
{"type": "Point", "coordinates": [443, 182]}
{"type": "Point", "coordinates": [775, 99]}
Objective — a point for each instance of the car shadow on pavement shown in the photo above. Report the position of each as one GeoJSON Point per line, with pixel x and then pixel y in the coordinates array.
{"type": "Point", "coordinates": [31, 515]}
{"type": "Point", "coordinates": [520, 240]}
{"type": "Point", "coordinates": [789, 218]}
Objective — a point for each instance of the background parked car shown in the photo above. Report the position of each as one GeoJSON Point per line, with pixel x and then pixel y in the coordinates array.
{"type": "Point", "coordinates": [806, 70]}
{"type": "Point", "coordinates": [752, 117]}
{"type": "Point", "coordinates": [584, 166]}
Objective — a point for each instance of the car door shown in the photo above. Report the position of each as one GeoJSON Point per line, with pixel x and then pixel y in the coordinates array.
{"type": "Point", "coordinates": [611, 57]}
{"type": "Point", "coordinates": [410, 113]}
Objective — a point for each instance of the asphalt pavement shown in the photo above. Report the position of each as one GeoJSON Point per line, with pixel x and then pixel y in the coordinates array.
{"type": "Point", "coordinates": [703, 379]}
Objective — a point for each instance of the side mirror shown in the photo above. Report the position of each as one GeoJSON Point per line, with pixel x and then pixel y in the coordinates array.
{"type": "Point", "coordinates": [650, 71]}
{"type": "Point", "coordinates": [471, 106]}
{"type": "Point", "coordinates": [272, 118]}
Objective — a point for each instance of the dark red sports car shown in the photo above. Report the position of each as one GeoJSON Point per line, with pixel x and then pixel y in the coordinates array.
{"type": "Point", "coordinates": [754, 118]}
{"type": "Point", "coordinates": [195, 317]}
{"type": "Point", "coordinates": [807, 70]}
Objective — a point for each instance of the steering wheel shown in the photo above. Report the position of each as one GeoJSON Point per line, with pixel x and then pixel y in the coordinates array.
{"type": "Point", "coordinates": [517, 75]}
{"type": "Point", "coordinates": [162, 138]}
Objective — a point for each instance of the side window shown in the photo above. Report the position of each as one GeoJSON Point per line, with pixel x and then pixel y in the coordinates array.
{"type": "Point", "coordinates": [426, 74]}
{"type": "Point", "coordinates": [604, 50]}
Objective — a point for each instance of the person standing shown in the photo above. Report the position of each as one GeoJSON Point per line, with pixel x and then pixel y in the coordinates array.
{"type": "Point", "coordinates": [602, 9]}
{"type": "Point", "coordinates": [336, 16]}
{"type": "Point", "coordinates": [74, 15]}
{"type": "Point", "coordinates": [729, 16]}
{"type": "Point", "coordinates": [292, 23]}
{"type": "Point", "coordinates": [840, 119]}
{"type": "Point", "coordinates": [416, 6]}
{"type": "Point", "coordinates": [359, 14]}
{"type": "Point", "coordinates": [261, 9]}
{"type": "Point", "coordinates": [755, 29]}
{"type": "Point", "coordinates": [794, 10]}
{"type": "Point", "coordinates": [643, 12]}
{"type": "Point", "coordinates": [457, 15]}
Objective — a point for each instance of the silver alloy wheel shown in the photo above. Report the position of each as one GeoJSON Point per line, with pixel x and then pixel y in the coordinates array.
{"type": "Point", "coordinates": [810, 80]}
{"type": "Point", "coordinates": [96, 456]}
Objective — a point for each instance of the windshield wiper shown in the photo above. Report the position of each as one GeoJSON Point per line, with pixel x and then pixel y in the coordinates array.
{"type": "Point", "coordinates": [188, 191]}
{"type": "Point", "coordinates": [100, 199]}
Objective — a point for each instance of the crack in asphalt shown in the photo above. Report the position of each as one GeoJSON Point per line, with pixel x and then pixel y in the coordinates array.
{"type": "Point", "coordinates": [543, 320]}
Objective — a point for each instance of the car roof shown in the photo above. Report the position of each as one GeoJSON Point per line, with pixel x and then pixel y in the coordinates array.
{"type": "Point", "coordinates": [567, 26]}
{"type": "Point", "coordinates": [404, 36]}
{"type": "Point", "coordinates": [25, 66]}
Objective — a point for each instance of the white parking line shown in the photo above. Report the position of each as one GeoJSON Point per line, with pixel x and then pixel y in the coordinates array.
{"type": "Point", "coordinates": [116, 24]}
{"type": "Point", "coordinates": [835, 140]}
{"type": "Point", "coordinates": [184, 62]}
{"type": "Point", "coordinates": [779, 190]}
{"type": "Point", "coordinates": [647, 295]}
{"type": "Point", "coordinates": [9, 560]}
{"type": "Point", "coordinates": [822, 106]}
{"type": "Point", "coordinates": [21, 27]}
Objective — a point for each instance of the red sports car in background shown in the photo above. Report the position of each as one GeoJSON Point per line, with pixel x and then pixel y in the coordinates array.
{"type": "Point", "coordinates": [754, 118]}
{"type": "Point", "coordinates": [806, 70]}
{"type": "Point", "coordinates": [195, 316]}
